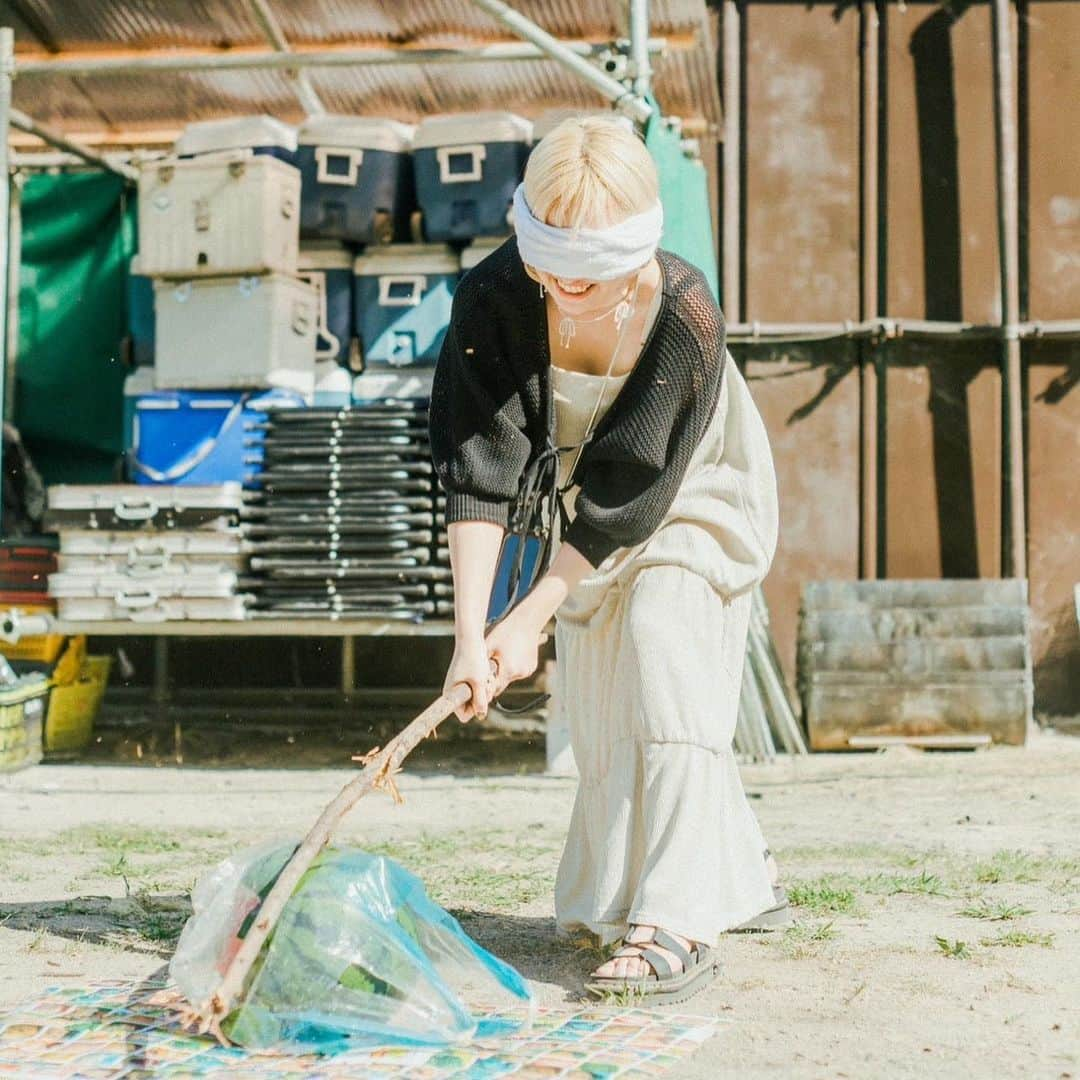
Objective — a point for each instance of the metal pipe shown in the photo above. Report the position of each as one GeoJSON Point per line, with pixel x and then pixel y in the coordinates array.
{"type": "Point", "coordinates": [639, 47]}
{"type": "Point", "coordinates": [7, 72]}
{"type": "Point", "coordinates": [14, 266]}
{"type": "Point", "coordinates": [868, 288]}
{"type": "Point", "coordinates": [271, 28]}
{"type": "Point", "coordinates": [1014, 548]}
{"type": "Point", "coordinates": [885, 327]}
{"type": "Point", "coordinates": [525, 28]}
{"type": "Point", "coordinates": [88, 67]}
{"type": "Point", "coordinates": [53, 137]}
{"type": "Point", "coordinates": [732, 75]}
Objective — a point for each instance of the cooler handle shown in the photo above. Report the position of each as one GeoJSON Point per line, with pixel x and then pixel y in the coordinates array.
{"type": "Point", "coordinates": [478, 153]}
{"type": "Point", "coordinates": [325, 155]}
{"type": "Point", "coordinates": [144, 510]}
{"type": "Point", "coordinates": [388, 281]}
{"type": "Point", "coordinates": [136, 599]}
{"type": "Point", "coordinates": [194, 459]}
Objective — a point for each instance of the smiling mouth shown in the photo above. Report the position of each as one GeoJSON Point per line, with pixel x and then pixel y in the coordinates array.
{"type": "Point", "coordinates": [577, 290]}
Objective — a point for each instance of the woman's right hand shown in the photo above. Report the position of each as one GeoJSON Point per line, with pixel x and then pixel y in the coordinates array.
{"type": "Point", "coordinates": [471, 665]}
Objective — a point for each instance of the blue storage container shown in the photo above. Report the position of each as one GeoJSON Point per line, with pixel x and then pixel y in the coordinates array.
{"type": "Point", "coordinates": [467, 167]}
{"type": "Point", "coordinates": [328, 266]}
{"type": "Point", "coordinates": [140, 300]}
{"type": "Point", "coordinates": [260, 134]}
{"type": "Point", "coordinates": [198, 436]}
{"type": "Point", "coordinates": [401, 297]}
{"type": "Point", "coordinates": [357, 179]}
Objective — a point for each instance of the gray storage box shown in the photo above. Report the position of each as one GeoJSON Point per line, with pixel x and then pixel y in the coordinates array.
{"type": "Point", "coordinates": [243, 333]}
{"type": "Point", "coordinates": [228, 213]}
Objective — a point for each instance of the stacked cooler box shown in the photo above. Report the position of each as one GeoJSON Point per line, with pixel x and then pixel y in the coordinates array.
{"type": "Point", "coordinates": [147, 554]}
{"type": "Point", "coordinates": [345, 524]}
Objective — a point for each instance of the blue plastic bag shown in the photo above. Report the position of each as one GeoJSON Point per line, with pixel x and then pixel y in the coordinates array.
{"type": "Point", "coordinates": [360, 955]}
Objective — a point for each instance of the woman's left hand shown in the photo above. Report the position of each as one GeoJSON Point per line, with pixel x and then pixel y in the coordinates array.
{"type": "Point", "coordinates": [514, 644]}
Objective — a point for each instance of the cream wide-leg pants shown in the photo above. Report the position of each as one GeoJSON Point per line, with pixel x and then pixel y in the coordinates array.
{"type": "Point", "coordinates": [661, 831]}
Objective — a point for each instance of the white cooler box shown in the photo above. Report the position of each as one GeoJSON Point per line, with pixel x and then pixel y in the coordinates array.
{"type": "Point", "coordinates": [130, 507]}
{"type": "Point", "coordinates": [247, 333]}
{"type": "Point", "coordinates": [204, 594]}
{"type": "Point", "coordinates": [230, 213]}
{"type": "Point", "coordinates": [226, 548]}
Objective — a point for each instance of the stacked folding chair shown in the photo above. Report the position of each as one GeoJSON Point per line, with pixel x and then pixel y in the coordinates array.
{"type": "Point", "coordinates": [345, 525]}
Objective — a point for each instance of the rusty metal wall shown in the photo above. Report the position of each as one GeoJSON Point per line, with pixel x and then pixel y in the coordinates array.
{"type": "Point", "coordinates": [942, 461]}
{"type": "Point", "coordinates": [808, 396]}
{"type": "Point", "coordinates": [940, 404]}
{"type": "Point", "coordinates": [801, 184]}
{"type": "Point", "coordinates": [1053, 414]}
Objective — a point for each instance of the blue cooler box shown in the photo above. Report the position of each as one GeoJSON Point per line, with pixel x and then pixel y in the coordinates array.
{"type": "Point", "coordinates": [328, 266]}
{"type": "Point", "coordinates": [261, 134]}
{"type": "Point", "coordinates": [198, 436]}
{"type": "Point", "coordinates": [357, 179]}
{"type": "Point", "coordinates": [401, 297]}
{"type": "Point", "coordinates": [467, 167]}
{"type": "Point", "coordinates": [140, 301]}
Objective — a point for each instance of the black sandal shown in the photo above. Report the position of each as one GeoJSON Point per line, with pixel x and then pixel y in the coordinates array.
{"type": "Point", "coordinates": [666, 985]}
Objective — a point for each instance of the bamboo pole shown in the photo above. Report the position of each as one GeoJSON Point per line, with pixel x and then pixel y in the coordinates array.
{"type": "Point", "coordinates": [380, 768]}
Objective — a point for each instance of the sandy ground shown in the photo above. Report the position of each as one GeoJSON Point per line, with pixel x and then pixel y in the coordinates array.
{"type": "Point", "coordinates": [885, 852]}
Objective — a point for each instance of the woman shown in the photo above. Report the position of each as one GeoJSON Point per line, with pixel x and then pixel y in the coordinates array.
{"type": "Point", "coordinates": [672, 521]}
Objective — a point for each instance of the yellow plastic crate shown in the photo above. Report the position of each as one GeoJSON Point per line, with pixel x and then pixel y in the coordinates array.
{"type": "Point", "coordinates": [21, 711]}
{"type": "Point", "coordinates": [73, 708]}
{"type": "Point", "coordinates": [43, 648]}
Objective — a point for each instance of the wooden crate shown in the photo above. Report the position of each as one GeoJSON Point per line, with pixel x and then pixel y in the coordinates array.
{"type": "Point", "coordinates": [925, 662]}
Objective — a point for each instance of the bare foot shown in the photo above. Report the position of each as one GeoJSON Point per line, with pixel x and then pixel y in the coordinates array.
{"type": "Point", "coordinates": [628, 962]}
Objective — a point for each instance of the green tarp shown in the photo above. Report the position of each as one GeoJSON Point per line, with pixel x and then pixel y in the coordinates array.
{"type": "Point", "coordinates": [78, 233]}
{"type": "Point", "coordinates": [684, 194]}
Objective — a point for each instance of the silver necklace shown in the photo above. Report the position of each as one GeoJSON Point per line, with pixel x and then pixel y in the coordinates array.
{"type": "Point", "coordinates": [621, 311]}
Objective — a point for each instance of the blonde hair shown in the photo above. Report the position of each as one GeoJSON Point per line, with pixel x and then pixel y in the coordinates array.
{"type": "Point", "coordinates": [591, 171]}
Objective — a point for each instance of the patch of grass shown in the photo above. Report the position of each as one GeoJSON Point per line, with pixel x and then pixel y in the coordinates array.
{"type": "Point", "coordinates": [1008, 865]}
{"type": "Point", "coordinates": [801, 940]}
{"type": "Point", "coordinates": [996, 912]}
{"type": "Point", "coordinates": [956, 949]}
{"type": "Point", "coordinates": [924, 883]}
{"type": "Point", "coordinates": [822, 896]}
{"type": "Point", "coordinates": [629, 997]}
{"type": "Point", "coordinates": [854, 852]}
{"type": "Point", "coordinates": [37, 942]}
{"type": "Point", "coordinates": [1018, 938]}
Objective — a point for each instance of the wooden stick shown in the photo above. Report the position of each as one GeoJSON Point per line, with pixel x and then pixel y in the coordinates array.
{"type": "Point", "coordinates": [381, 766]}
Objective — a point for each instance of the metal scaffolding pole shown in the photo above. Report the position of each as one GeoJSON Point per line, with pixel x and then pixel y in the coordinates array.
{"type": "Point", "coordinates": [639, 47]}
{"type": "Point", "coordinates": [525, 28]}
{"type": "Point", "coordinates": [271, 28]}
{"type": "Point", "coordinates": [572, 53]}
{"type": "Point", "coordinates": [7, 73]}
{"type": "Point", "coordinates": [868, 289]}
{"type": "Point", "coordinates": [732, 94]}
{"type": "Point", "coordinates": [1014, 550]}
{"type": "Point", "coordinates": [20, 120]}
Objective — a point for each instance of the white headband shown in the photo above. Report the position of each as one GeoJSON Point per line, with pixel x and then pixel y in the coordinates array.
{"type": "Point", "coordinates": [595, 254]}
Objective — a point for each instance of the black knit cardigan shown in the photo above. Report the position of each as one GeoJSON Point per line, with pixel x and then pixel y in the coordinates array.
{"type": "Point", "coordinates": [492, 409]}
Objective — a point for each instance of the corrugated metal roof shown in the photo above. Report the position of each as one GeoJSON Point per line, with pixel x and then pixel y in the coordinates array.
{"type": "Point", "coordinates": [685, 80]}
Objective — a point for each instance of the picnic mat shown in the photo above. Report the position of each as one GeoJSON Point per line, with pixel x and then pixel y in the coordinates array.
{"type": "Point", "coordinates": [123, 1031]}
